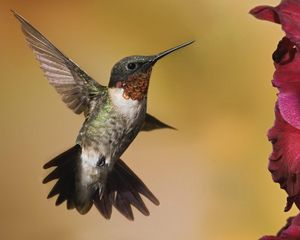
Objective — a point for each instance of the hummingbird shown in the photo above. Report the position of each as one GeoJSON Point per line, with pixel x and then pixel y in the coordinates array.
{"type": "Point", "coordinates": [92, 172]}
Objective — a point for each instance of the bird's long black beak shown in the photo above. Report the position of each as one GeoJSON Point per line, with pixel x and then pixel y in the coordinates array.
{"type": "Point", "coordinates": [165, 53]}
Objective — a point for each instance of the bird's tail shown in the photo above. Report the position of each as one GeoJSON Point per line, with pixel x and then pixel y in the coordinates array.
{"type": "Point", "coordinates": [123, 187]}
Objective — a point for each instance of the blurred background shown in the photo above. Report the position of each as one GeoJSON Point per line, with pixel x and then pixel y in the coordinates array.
{"type": "Point", "coordinates": [210, 176]}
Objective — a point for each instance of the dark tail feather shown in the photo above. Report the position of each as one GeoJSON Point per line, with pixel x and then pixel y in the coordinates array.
{"type": "Point", "coordinates": [65, 165]}
{"type": "Point", "coordinates": [123, 187]}
{"type": "Point", "coordinates": [122, 190]}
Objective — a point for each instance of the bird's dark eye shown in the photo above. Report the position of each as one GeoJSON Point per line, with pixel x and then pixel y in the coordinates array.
{"type": "Point", "coordinates": [131, 66]}
{"type": "Point", "coordinates": [101, 162]}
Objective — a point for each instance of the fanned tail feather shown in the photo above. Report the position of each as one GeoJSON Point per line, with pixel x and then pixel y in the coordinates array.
{"type": "Point", "coordinates": [65, 164]}
{"type": "Point", "coordinates": [123, 186]}
{"type": "Point", "coordinates": [123, 189]}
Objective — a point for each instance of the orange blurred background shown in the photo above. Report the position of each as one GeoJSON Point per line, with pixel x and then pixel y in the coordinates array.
{"type": "Point", "coordinates": [210, 176]}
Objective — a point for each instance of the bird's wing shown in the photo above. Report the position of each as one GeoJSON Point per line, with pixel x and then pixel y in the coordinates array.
{"type": "Point", "coordinates": [76, 87]}
{"type": "Point", "coordinates": [152, 123]}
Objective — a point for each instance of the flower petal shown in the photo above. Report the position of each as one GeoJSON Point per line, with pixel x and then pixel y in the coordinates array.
{"type": "Point", "coordinates": [291, 231]}
{"type": "Point", "coordinates": [286, 57]}
{"type": "Point", "coordinates": [265, 13]}
{"type": "Point", "coordinates": [287, 13]}
{"type": "Point", "coordinates": [287, 80]}
{"type": "Point", "coordinates": [284, 162]}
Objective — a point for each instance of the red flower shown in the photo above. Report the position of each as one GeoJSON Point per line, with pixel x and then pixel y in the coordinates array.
{"type": "Point", "coordinates": [291, 231]}
{"type": "Point", "coordinates": [286, 57]}
{"type": "Point", "coordinates": [285, 135]}
{"type": "Point", "coordinates": [284, 161]}
{"type": "Point", "coordinates": [287, 13]}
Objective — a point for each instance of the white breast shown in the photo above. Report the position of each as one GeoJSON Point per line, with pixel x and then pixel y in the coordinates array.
{"type": "Point", "coordinates": [128, 107]}
{"type": "Point", "coordinates": [89, 159]}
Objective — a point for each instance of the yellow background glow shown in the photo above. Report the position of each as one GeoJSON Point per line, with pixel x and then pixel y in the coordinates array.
{"type": "Point", "coordinates": [210, 176]}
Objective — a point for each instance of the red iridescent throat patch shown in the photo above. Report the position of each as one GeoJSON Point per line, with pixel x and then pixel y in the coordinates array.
{"type": "Point", "coordinates": [136, 86]}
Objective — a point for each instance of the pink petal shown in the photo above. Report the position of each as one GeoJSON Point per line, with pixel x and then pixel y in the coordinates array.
{"type": "Point", "coordinates": [291, 231]}
{"type": "Point", "coordinates": [287, 13]}
{"type": "Point", "coordinates": [270, 238]}
{"type": "Point", "coordinates": [287, 80]}
{"type": "Point", "coordinates": [265, 13]}
{"type": "Point", "coordinates": [284, 162]}
{"type": "Point", "coordinates": [286, 57]}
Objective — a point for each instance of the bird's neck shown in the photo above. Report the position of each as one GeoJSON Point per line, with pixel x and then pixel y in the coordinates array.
{"type": "Point", "coordinates": [127, 106]}
{"type": "Point", "coordinates": [136, 87]}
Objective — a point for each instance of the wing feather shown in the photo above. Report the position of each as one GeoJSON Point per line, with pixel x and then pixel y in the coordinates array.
{"type": "Point", "coordinates": [76, 87]}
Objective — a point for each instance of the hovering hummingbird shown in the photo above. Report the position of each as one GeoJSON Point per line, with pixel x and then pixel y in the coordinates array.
{"type": "Point", "coordinates": [92, 172]}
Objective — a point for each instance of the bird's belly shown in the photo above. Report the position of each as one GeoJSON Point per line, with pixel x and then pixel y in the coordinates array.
{"type": "Point", "coordinates": [111, 137]}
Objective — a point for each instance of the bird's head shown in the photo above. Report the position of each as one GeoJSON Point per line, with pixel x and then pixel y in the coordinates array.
{"type": "Point", "coordinates": [133, 73]}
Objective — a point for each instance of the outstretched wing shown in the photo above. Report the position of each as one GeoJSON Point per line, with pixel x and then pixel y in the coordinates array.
{"type": "Point", "coordinates": [152, 123]}
{"type": "Point", "coordinates": [75, 86]}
